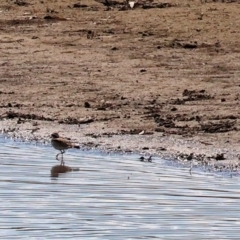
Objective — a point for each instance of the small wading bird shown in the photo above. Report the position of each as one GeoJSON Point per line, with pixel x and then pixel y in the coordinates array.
{"type": "Point", "coordinates": [61, 144]}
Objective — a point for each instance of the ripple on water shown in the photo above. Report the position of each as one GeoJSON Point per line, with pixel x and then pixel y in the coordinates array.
{"type": "Point", "coordinates": [111, 197]}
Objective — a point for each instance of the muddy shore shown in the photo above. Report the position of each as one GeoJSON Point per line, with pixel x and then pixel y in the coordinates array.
{"type": "Point", "coordinates": [157, 81]}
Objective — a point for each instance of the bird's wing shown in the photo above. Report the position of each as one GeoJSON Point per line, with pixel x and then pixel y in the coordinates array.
{"type": "Point", "coordinates": [64, 141]}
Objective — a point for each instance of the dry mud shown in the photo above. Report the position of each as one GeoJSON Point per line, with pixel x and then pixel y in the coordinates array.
{"type": "Point", "coordinates": [157, 80]}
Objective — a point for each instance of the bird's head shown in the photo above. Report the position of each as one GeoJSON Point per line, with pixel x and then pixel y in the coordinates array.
{"type": "Point", "coordinates": [55, 135]}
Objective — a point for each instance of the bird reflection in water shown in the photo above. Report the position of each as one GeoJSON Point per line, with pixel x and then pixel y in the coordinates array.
{"type": "Point", "coordinates": [57, 169]}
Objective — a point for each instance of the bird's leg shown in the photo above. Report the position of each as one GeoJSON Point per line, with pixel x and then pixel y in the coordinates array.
{"type": "Point", "coordinates": [57, 156]}
{"type": "Point", "coordinates": [62, 162]}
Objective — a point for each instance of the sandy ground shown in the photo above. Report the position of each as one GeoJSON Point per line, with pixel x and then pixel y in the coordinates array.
{"type": "Point", "coordinates": [163, 80]}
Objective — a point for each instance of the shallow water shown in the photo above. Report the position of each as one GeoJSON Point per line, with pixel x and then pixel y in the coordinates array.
{"type": "Point", "coordinates": [111, 197]}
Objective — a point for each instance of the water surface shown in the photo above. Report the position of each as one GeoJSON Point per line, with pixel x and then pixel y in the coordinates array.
{"type": "Point", "coordinates": [111, 197]}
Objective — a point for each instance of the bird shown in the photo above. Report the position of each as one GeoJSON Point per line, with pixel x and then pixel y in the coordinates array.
{"type": "Point", "coordinates": [61, 144]}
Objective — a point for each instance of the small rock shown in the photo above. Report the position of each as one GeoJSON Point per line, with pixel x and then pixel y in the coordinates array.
{"type": "Point", "coordinates": [190, 157]}
{"type": "Point", "coordinates": [220, 156]}
{"type": "Point", "coordinates": [87, 105]}
{"type": "Point", "coordinates": [162, 149]}
{"type": "Point", "coordinates": [48, 17]}
{"type": "Point", "coordinates": [114, 49]}
{"type": "Point", "coordinates": [78, 5]}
